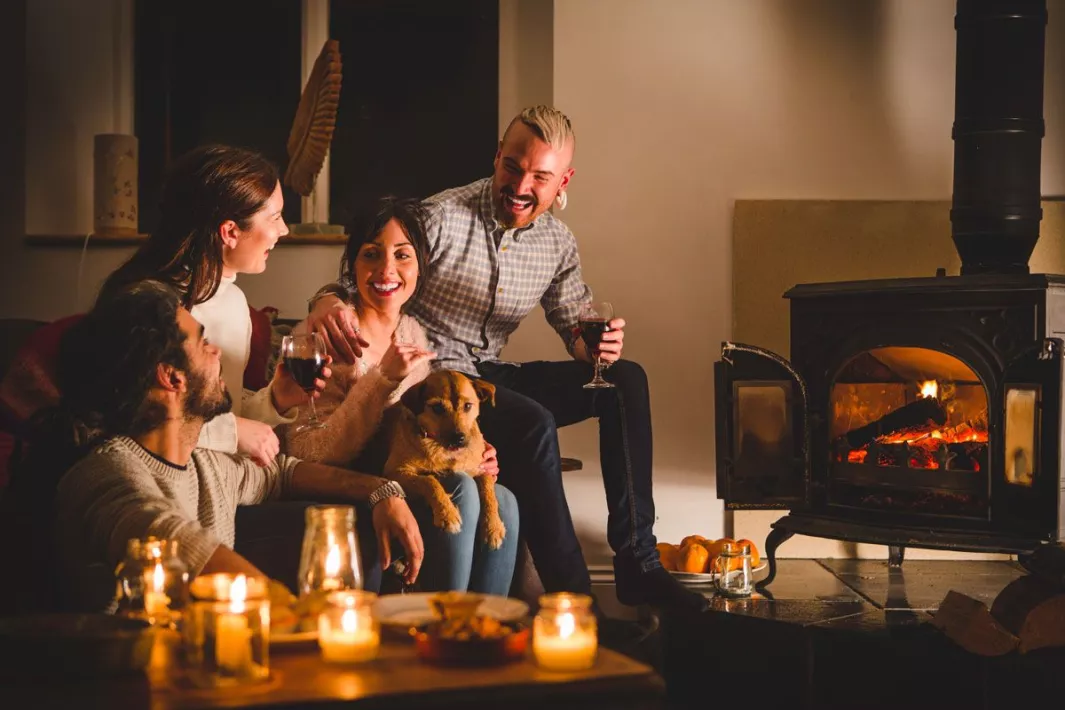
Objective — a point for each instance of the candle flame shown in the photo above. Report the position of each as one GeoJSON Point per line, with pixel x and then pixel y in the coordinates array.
{"type": "Point", "coordinates": [566, 625]}
{"type": "Point", "coordinates": [349, 621]}
{"type": "Point", "coordinates": [238, 592]}
{"type": "Point", "coordinates": [157, 578]}
{"type": "Point", "coordinates": [332, 561]}
{"type": "Point", "coordinates": [929, 388]}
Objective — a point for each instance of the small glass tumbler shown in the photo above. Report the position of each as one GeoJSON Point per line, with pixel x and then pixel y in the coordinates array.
{"type": "Point", "coordinates": [227, 638]}
{"type": "Point", "coordinates": [329, 559]}
{"type": "Point", "coordinates": [348, 629]}
{"type": "Point", "coordinates": [565, 633]}
{"type": "Point", "coordinates": [152, 582]}
{"type": "Point", "coordinates": [733, 571]}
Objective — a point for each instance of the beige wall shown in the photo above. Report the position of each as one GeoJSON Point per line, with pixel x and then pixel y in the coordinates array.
{"type": "Point", "coordinates": [683, 107]}
{"type": "Point", "coordinates": [680, 107]}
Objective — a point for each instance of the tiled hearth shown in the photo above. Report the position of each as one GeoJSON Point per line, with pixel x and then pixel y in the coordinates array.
{"type": "Point", "coordinates": [850, 634]}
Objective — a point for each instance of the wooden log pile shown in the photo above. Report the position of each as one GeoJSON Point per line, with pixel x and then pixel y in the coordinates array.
{"type": "Point", "coordinates": [1028, 613]}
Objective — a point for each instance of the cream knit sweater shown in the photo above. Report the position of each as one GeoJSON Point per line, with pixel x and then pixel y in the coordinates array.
{"type": "Point", "coordinates": [121, 491]}
{"type": "Point", "coordinates": [352, 405]}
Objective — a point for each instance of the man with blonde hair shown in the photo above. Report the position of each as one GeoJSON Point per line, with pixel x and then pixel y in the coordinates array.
{"type": "Point", "coordinates": [495, 252]}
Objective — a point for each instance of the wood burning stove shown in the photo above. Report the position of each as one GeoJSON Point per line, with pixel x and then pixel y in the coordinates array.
{"type": "Point", "coordinates": [924, 412]}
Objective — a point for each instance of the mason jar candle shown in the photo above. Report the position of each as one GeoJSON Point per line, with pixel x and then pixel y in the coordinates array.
{"type": "Point", "coordinates": [348, 629]}
{"type": "Point", "coordinates": [565, 633]}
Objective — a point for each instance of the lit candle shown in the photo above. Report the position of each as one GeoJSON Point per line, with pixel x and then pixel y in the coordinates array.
{"type": "Point", "coordinates": [347, 632]}
{"type": "Point", "coordinates": [331, 581]}
{"type": "Point", "coordinates": [156, 602]}
{"type": "Point", "coordinates": [232, 635]}
{"type": "Point", "coordinates": [566, 647]}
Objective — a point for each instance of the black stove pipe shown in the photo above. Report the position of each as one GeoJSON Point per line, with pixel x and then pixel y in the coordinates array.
{"type": "Point", "coordinates": [998, 133]}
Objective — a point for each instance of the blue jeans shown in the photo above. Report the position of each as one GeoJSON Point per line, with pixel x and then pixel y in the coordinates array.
{"type": "Point", "coordinates": [461, 561]}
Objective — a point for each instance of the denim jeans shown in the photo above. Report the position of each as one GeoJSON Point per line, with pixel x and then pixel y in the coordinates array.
{"type": "Point", "coordinates": [461, 561]}
{"type": "Point", "coordinates": [534, 398]}
{"type": "Point", "coordinates": [270, 536]}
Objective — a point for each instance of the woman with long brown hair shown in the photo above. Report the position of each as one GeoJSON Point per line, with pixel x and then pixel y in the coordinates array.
{"type": "Point", "coordinates": [220, 216]}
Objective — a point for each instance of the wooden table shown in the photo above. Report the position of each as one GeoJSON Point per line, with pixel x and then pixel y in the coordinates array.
{"type": "Point", "coordinates": [397, 680]}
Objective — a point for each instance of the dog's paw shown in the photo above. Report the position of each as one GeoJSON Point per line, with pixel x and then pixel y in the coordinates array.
{"type": "Point", "coordinates": [448, 518]}
{"type": "Point", "coordinates": [494, 532]}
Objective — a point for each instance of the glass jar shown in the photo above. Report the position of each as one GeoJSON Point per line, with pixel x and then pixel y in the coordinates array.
{"type": "Point", "coordinates": [329, 560]}
{"type": "Point", "coordinates": [733, 575]}
{"type": "Point", "coordinates": [565, 632]}
{"type": "Point", "coordinates": [227, 637]}
{"type": "Point", "coordinates": [152, 582]}
{"type": "Point", "coordinates": [348, 629]}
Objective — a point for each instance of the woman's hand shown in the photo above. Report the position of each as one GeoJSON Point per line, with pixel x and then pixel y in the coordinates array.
{"type": "Point", "coordinates": [339, 326]}
{"type": "Point", "coordinates": [286, 392]}
{"type": "Point", "coordinates": [489, 462]}
{"type": "Point", "coordinates": [257, 441]}
{"type": "Point", "coordinates": [392, 519]}
{"type": "Point", "coordinates": [401, 360]}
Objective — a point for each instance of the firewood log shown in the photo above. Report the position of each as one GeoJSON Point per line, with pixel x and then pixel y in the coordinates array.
{"type": "Point", "coordinates": [913, 414]}
{"type": "Point", "coordinates": [969, 623]}
{"type": "Point", "coordinates": [1032, 608]}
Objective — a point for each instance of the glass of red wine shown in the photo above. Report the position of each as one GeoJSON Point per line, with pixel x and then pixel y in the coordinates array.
{"type": "Point", "coordinates": [305, 356]}
{"type": "Point", "coordinates": [594, 320]}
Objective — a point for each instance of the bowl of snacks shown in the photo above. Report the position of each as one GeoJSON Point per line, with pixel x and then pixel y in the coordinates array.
{"type": "Point", "coordinates": [476, 640]}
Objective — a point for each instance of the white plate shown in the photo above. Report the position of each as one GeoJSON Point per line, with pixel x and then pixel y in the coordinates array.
{"type": "Point", "coordinates": [410, 610]}
{"type": "Point", "coordinates": [697, 578]}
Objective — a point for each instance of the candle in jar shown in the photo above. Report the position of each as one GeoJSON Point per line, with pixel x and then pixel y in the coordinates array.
{"type": "Point", "coordinates": [354, 642]}
{"type": "Point", "coordinates": [331, 581]}
{"type": "Point", "coordinates": [571, 649]}
{"type": "Point", "coordinates": [156, 602]}
{"type": "Point", "coordinates": [232, 635]}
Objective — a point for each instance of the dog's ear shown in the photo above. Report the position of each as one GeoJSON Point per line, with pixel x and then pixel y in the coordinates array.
{"type": "Point", "coordinates": [414, 398]}
{"type": "Point", "coordinates": [486, 391]}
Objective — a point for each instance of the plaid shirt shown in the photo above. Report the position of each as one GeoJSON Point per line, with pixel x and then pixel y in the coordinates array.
{"type": "Point", "coordinates": [483, 279]}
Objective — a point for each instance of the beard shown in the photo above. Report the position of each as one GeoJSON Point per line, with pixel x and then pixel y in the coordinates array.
{"type": "Point", "coordinates": [206, 400]}
{"type": "Point", "coordinates": [509, 220]}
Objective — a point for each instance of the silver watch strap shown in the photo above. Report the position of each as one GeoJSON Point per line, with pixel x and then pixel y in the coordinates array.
{"type": "Point", "coordinates": [391, 489]}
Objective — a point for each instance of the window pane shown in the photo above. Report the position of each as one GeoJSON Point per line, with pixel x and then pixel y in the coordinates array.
{"type": "Point", "coordinates": [764, 435]}
{"type": "Point", "coordinates": [1022, 419]}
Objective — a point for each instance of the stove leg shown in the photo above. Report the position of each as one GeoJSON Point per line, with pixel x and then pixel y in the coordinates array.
{"type": "Point", "coordinates": [895, 555]}
{"type": "Point", "coordinates": [775, 539]}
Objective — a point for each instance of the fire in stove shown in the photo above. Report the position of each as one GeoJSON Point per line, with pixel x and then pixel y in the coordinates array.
{"type": "Point", "coordinates": [888, 412]}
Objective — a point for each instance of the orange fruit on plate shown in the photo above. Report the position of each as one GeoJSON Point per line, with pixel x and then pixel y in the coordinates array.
{"type": "Point", "coordinates": [755, 557]}
{"type": "Point", "coordinates": [693, 558]}
{"type": "Point", "coordinates": [669, 554]}
{"type": "Point", "coordinates": [694, 538]}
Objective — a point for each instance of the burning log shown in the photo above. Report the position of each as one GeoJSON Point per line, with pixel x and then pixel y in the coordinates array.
{"type": "Point", "coordinates": [914, 414]}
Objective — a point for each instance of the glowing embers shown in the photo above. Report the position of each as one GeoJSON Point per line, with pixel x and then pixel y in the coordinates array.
{"type": "Point", "coordinates": [911, 408]}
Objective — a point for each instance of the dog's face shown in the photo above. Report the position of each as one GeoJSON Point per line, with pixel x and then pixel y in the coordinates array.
{"type": "Point", "coordinates": [446, 405]}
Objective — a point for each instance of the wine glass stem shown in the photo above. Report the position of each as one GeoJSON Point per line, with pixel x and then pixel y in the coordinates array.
{"type": "Point", "coordinates": [598, 365]}
{"type": "Point", "coordinates": [314, 411]}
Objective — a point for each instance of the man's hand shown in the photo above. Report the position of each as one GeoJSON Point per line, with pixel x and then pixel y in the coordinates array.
{"type": "Point", "coordinates": [610, 346]}
{"type": "Point", "coordinates": [612, 342]}
{"type": "Point", "coordinates": [401, 360]}
{"type": "Point", "coordinates": [392, 518]}
{"type": "Point", "coordinates": [489, 462]}
{"type": "Point", "coordinates": [339, 326]}
{"type": "Point", "coordinates": [257, 441]}
{"type": "Point", "coordinates": [286, 392]}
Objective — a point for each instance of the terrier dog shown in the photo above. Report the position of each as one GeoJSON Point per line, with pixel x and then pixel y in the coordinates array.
{"type": "Point", "coordinates": [433, 431]}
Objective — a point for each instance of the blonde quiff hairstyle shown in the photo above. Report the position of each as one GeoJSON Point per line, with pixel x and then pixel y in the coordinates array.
{"type": "Point", "coordinates": [548, 123]}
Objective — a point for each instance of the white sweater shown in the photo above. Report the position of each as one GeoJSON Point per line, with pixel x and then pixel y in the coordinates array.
{"type": "Point", "coordinates": [227, 324]}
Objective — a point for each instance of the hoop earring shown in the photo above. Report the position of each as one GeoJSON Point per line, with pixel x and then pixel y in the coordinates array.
{"type": "Point", "coordinates": [562, 199]}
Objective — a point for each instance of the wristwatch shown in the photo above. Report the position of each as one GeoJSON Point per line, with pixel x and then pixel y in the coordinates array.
{"type": "Point", "coordinates": [390, 489]}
